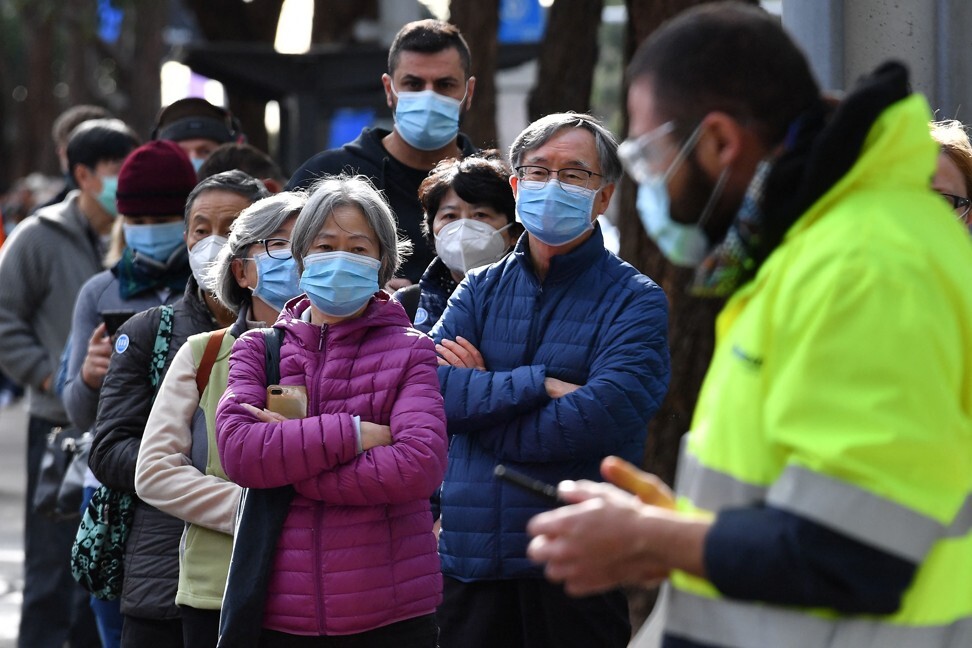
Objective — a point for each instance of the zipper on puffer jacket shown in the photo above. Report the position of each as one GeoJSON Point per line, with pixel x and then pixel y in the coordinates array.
{"type": "Point", "coordinates": [313, 405]}
{"type": "Point", "coordinates": [534, 325]}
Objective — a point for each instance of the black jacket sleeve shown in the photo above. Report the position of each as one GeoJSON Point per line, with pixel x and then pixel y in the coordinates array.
{"type": "Point", "coordinates": [125, 403]}
{"type": "Point", "coordinates": [770, 555]}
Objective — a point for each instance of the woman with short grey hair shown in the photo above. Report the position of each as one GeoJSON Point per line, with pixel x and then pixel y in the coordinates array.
{"type": "Point", "coordinates": [254, 275]}
{"type": "Point", "coordinates": [341, 191]}
{"type": "Point", "coordinates": [259, 244]}
{"type": "Point", "coordinates": [363, 445]}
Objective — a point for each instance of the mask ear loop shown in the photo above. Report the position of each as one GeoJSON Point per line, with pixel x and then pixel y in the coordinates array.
{"type": "Point", "coordinates": [713, 197]}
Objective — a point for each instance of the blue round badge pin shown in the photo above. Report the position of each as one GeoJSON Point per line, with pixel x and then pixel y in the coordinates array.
{"type": "Point", "coordinates": [421, 315]}
{"type": "Point", "coordinates": [121, 344]}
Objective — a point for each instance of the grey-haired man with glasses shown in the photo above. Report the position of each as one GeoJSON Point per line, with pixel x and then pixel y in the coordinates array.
{"type": "Point", "coordinates": [550, 360]}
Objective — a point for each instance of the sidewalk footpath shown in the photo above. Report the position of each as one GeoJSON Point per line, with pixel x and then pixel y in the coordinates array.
{"type": "Point", "coordinates": [13, 480]}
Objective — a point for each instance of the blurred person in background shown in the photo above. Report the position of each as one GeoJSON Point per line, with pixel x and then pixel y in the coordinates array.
{"type": "Point", "coordinates": [43, 266]}
{"type": "Point", "coordinates": [246, 158]}
{"type": "Point", "coordinates": [61, 130]}
{"type": "Point", "coordinates": [198, 127]}
{"type": "Point", "coordinates": [151, 564]}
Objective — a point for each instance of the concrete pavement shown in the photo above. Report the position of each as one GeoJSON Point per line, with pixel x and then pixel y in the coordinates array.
{"type": "Point", "coordinates": [13, 481]}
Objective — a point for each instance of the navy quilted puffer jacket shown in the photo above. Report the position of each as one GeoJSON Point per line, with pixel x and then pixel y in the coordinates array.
{"type": "Point", "coordinates": [594, 321]}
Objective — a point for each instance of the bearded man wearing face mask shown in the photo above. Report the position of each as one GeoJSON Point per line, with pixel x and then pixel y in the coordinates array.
{"type": "Point", "coordinates": [550, 360]}
{"type": "Point", "coordinates": [428, 87]}
{"type": "Point", "coordinates": [824, 485]}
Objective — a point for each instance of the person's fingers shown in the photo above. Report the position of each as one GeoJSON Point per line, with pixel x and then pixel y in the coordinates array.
{"type": "Point", "coordinates": [475, 357]}
{"type": "Point", "coordinates": [448, 355]}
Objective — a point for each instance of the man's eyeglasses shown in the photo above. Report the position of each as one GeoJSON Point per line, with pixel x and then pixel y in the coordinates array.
{"type": "Point", "coordinates": [573, 180]}
{"type": "Point", "coordinates": [644, 157]}
{"type": "Point", "coordinates": [277, 248]}
{"type": "Point", "coordinates": [959, 204]}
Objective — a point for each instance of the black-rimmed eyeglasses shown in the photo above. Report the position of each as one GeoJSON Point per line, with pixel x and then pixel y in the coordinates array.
{"type": "Point", "coordinates": [569, 178]}
{"type": "Point", "coordinates": [277, 248]}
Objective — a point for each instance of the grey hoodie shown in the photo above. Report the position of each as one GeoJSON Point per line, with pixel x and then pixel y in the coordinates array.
{"type": "Point", "coordinates": [43, 265]}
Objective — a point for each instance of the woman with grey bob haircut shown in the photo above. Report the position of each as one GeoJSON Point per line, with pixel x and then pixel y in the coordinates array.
{"type": "Point", "coordinates": [333, 192]}
{"type": "Point", "coordinates": [259, 241]}
{"type": "Point", "coordinates": [539, 132]}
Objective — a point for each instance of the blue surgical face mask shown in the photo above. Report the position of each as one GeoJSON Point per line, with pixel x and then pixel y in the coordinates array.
{"type": "Point", "coordinates": [427, 120]}
{"type": "Point", "coordinates": [276, 280]}
{"type": "Point", "coordinates": [109, 187]}
{"type": "Point", "coordinates": [197, 163]}
{"type": "Point", "coordinates": [339, 283]}
{"type": "Point", "coordinates": [684, 244]}
{"type": "Point", "coordinates": [157, 241]}
{"type": "Point", "coordinates": [552, 214]}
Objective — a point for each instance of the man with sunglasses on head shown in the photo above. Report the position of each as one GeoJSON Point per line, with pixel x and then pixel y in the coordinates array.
{"type": "Point", "coordinates": [428, 87]}
{"type": "Point", "coordinates": [551, 359]}
{"type": "Point", "coordinates": [825, 485]}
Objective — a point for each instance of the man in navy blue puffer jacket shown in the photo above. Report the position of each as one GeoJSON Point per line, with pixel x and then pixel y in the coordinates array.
{"type": "Point", "coordinates": [551, 359]}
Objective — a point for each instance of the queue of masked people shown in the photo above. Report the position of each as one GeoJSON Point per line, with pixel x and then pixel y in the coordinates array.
{"type": "Point", "coordinates": [395, 401]}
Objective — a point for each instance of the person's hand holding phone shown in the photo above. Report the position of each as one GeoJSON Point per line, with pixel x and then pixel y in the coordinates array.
{"type": "Point", "coordinates": [99, 356]}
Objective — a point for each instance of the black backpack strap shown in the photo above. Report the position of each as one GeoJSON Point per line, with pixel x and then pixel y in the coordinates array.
{"type": "Point", "coordinates": [272, 340]}
{"type": "Point", "coordinates": [408, 297]}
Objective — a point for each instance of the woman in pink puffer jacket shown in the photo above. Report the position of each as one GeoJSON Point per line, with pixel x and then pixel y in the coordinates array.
{"type": "Point", "coordinates": [357, 554]}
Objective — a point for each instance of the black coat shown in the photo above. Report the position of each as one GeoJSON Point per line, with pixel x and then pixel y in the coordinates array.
{"type": "Point", "coordinates": [152, 551]}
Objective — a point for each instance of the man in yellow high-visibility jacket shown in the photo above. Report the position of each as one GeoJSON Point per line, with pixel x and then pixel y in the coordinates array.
{"type": "Point", "coordinates": [823, 492]}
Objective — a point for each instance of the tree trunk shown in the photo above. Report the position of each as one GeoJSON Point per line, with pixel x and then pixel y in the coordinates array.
{"type": "Point", "coordinates": [246, 22]}
{"type": "Point", "coordinates": [478, 20]}
{"type": "Point", "coordinates": [143, 86]}
{"type": "Point", "coordinates": [568, 55]}
{"type": "Point", "coordinates": [33, 148]}
{"type": "Point", "coordinates": [334, 19]}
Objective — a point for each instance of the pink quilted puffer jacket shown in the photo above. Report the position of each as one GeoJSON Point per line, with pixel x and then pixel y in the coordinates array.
{"type": "Point", "coordinates": [357, 550]}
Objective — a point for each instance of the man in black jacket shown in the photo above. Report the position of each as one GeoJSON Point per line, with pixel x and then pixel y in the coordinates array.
{"type": "Point", "coordinates": [151, 566]}
{"type": "Point", "coordinates": [428, 87]}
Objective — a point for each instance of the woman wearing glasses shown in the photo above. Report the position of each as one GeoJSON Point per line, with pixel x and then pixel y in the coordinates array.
{"type": "Point", "coordinates": [953, 177]}
{"type": "Point", "coordinates": [178, 469]}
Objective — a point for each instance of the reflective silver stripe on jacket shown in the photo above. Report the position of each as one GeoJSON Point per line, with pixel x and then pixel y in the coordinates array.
{"type": "Point", "coordinates": [734, 624]}
{"type": "Point", "coordinates": [856, 513]}
{"type": "Point", "coordinates": [962, 524]}
{"type": "Point", "coordinates": [713, 490]}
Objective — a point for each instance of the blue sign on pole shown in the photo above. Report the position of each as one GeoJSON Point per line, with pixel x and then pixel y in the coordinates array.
{"type": "Point", "coordinates": [521, 21]}
{"type": "Point", "coordinates": [109, 21]}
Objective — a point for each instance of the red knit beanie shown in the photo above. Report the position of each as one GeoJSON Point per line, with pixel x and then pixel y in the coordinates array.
{"type": "Point", "coordinates": [155, 180]}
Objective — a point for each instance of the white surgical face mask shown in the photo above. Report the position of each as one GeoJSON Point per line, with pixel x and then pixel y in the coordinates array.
{"type": "Point", "coordinates": [467, 243]}
{"type": "Point", "coordinates": [201, 258]}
